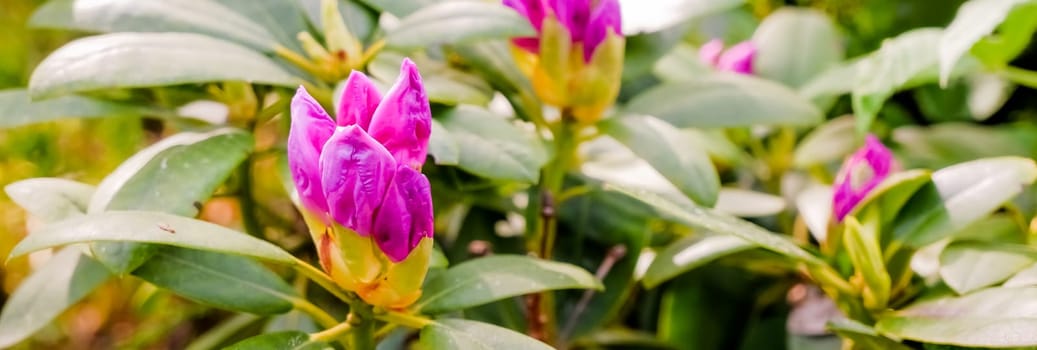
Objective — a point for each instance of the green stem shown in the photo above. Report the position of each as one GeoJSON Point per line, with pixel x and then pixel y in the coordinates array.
{"type": "Point", "coordinates": [404, 319]}
{"type": "Point", "coordinates": [333, 333]}
{"type": "Point", "coordinates": [541, 307]}
{"type": "Point", "coordinates": [323, 318]}
{"type": "Point", "coordinates": [363, 322]}
{"type": "Point", "coordinates": [323, 280]}
{"type": "Point", "coordinates": [1020, 76]}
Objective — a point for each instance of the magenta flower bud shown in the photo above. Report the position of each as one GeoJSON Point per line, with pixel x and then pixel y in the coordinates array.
{"type": "Point", "coordinates": [364, 174]}
{"type": "Point", "coordinates": [311, 128]}
{"type": "Point", "coordinates": [860, 174]}
{"type": "Point", "coordinates": [736, 59]}
{"type": "Point", "coordinates": [587, 21]}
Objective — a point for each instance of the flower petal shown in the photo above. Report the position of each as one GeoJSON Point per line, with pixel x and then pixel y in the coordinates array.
{"type": "Point", "coordinates": [709, 53]}
{"type": "Point", "coordinates": [531, 9]}
{"type": "Point", "coordinates": [405, 216]}
{"type": "Point", "coordinates": [355, 173]}
{"type": "Point", "coordinates": [604, 18]}
{"type": "Point", "coordinates": [403, 121]}
{"type": "Point", "coordinates": [311, 128]}
{"type": "Point", "coordinates": [861, 173]}
{"type": "Point", "coordinates": [738, 58]}
{"type": "Point", "coordinates": [358, 101]}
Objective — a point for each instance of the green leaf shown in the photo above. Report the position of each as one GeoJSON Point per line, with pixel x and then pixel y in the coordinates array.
{"type": "Point", "coordinates": [1027, 277]}
{"type": "Point", "coordinates": [443, 84]}
{"type": "Point", "coordinates": [441, 145]}
{"type": "Point", "coordinates": [830, 142]}
{"type": "Point", "coordinates": [493, 147]}
{"type": "Point", "coordinates": [496, 277]}
{"type": "Point", "coordinates": [834, 81]}
{"type": "Point", "coordinates": [863, 336]}
{"type": "Point", "coordinates": [453, 22]}
{"type": "Point", "coordinates": [190, 16]}
{"type": "Point", "coordinates": [205, 277]}
{"type": "Point", "coordinates": [795, 44]}
{"type": "Point", "coordinates": [907, 60]}
{"type": "Point", "coordinates": [668, 151]}
{"type": "Point", "coordinates": [722, 224]}
{"type": "Point", "coordinates": [862, 245]}
{"type": "Point", "coordinates": [945, 144]}
{"type": "Point", "coordinates": [493, 61]}
{"type": "Point", "coordinates": [892, 193]}
{"type": "Point", "coordinates": [975, 20]}
{"type": "Point", "coordinates": [996, 317]}
{"type": "Point", "coordinates": [130, 60]}
{"type": "Point", "coordinates": [472, 335]}
{"type": "Point", "coordinates": [747, 203]}
{"type": "Point", "coordinates": [398, 8]}
{"type": "Point", "coordinates": [959, 195]}
{"type": "Point", "coordinates": [61, 282]}
{"type": "Point", "coordinates": [970, 265]}
{"type": "Point", "coordinates": [690, 253]}
{"type": "Point", "coordinates": [17, 109]}
{"type": "Point", "coordinates": [51, 199]}
{"type": "Point", "coordinates": [1013, 36]}
{"type": "Point", "coordinates": [283, 19]}
{"type": "Point", "coordinates": [153, 180]}
{"type": "Point", "coordinates": [289, 340]}
{"type": "Point", "coordinates": [150, 227]}
{"type": "Point", "coordinates": [725, 100]}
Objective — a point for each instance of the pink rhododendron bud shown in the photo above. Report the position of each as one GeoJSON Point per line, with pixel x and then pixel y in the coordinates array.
{"type": "Point", "coordinates": [736, 59]}
{"type": "Point", "coordinates": [363, 196]}
{"type": "Point", "coordinates": [576, 59]}
{"type": "Point", "coordinates": [860, 174]}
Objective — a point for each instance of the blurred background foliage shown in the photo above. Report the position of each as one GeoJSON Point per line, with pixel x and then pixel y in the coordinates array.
{"type": "Point", "coordinates": [741, 301]}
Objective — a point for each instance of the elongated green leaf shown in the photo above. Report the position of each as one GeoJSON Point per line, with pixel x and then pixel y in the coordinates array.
{"type": "Point", "coordinates": [668, 151]}
{"type": "Point", "coordinates": [863, 336]}
{"type": "Point", "coordinates": [472, 335]}
{"type": "Point", "coordinates": [150, 227]}
{"type": "Point", "coordinates": [399, 8]}
{"type": "Point", "coordinates": [969, 266]}
{"type": "Point", "coordinates": [283, 19]}
{"type": "Point", "coordinates": [153, 179]}
{"type": "Point", "coordinates": [17, 109]}
{"type": "Point", "coordinates": [443, 84]}
{"type": "Point", "coordinates": [945, 144]}
{"type": "Point", "coordinates": [907, 60]}
{"type": "Point", "coordinates": [1027, 277]}
{"type": "Point", "coordinates": [493, 147]}
{"type": "Point", "coordinates": [722, 224]}
{"type": "Point", "coordinates": [834, 81]}
{"type": "Point", "coordinates": [51, 199]}
{"type": "Point", "coordinates": [975, 19]}
{"type": "Point", "coordinates": [725, 100]}
{"type": "Point", "coordinates": [453, 22]}
{"type": "Point", "coordinates": [959, 195]}
{"type": "Point", "coordinates": [748, 204]}
{"type": "Point", "coordinates": [689, 253]}
{"type": "Point", "coordinates": [441, 146]}
{"type": "Point", "coordinates": [492, 59]}
{"type": "Point", "coordinates": [192, 16]}
{"type": "Point", "coordinates": [996, 317]}
{"type": "Point", "coordinates": [64, 280]}
{"type": "Point", "coordinates": [795, 44]}
{"type": "Point", "coordinates": [205, 277]}
{"type": "Point", "coordinates": [496, 277]}
{"type": "Point", "coordinates": [861, 240]}
{"type": "Point", "coordinates": [128, 60]}
{"type": "Point", "coordinates": [289, 340]}
{"type": "Point", "coordinates": [829, 142]}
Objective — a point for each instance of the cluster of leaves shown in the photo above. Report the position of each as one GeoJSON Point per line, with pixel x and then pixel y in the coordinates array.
{"type": "Point", "coordinates": [700, 204]}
